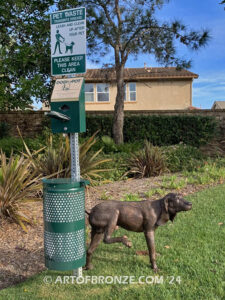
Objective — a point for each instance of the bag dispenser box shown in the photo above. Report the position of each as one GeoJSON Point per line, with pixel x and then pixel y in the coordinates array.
{"type": "Point", "coordinates": [68, 106]}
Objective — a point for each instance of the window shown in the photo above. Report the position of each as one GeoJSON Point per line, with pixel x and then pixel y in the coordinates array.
{"type": "Point", "coordinates": [132, 91]}
{"type": "Point", "coordinates": [89, 92]}
{"type": "Point", "coordinates": [125, 92]}
{"type": "Point", "coordinates": [102, 92]}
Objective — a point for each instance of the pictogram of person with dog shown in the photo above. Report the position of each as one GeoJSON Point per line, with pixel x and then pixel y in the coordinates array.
{"type": "Point", "coordinates": [59, 40]}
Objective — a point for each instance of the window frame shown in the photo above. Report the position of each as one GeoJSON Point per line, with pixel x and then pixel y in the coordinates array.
{"type": "Point", "coordinates": [132, 92]}
{"type": "Point", "coordinates": [90, 93]}
{"type": "Point", "coordinates": [108, 93]}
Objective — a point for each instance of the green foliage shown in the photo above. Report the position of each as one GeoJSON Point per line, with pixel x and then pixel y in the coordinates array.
{"type": "Point", "coordinates": [117, 166]}
{"type": "Point", "coordinates": [91, 162]}
{"type": "Point", "coordinates": [131, 197]}
{"type": "Point", "coordinates": [159, 130]}
{"type": "Point", "coordinates": [24, 52]}
{"type": "Point", "coordinates": [109, 144]}
{"type": "Point", "coordinates": [147, 162]}
{"type": "Point", "coordinates": [4, 129]}
{"type": "Point", "coordinates": [182, 157]}
{"type": "Point", "coordinates": [170, 130]}
{"type": "Point", "coordinates": [101, 123]}
{"type": "Point", "coordinates": [109, 147]}
{"type": "Point", "coordinates": [18, 185]}
{"type": "Point", "coordinates": [105, 196]}
{"type": "Point", "coordinates": [50, 161]}
{"type": "Point", "coordinates": [156, 191]}
{"type": "Point", "coordinates": [173, 183]}
{"type": "Point", "coordinates": [54, 161]}
{"type": "Point", "coordinates": [135, 31]}
{"type": "Point", "coordinates": [16, 145]}
{"type": "Point", "coordinates": [209, 172]}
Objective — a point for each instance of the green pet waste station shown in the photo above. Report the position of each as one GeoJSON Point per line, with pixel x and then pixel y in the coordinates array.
{"type": "Point", "coordinates": [64, 198]}
{"type": "Point", "coordinates": [64, 224]}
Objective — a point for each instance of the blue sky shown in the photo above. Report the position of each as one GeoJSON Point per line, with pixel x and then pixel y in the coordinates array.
{"type": "Point", "coordinates": [208, 62]}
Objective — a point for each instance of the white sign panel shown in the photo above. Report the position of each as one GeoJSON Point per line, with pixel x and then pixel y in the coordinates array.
{"type": "Point", "coordinates": [67, 89]}
{"type": "Point", "coordinates": [68, 41]}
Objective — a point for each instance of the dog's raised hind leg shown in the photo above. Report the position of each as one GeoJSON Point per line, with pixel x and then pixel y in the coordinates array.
{"type": "Point", "coordinates": [110, 229]}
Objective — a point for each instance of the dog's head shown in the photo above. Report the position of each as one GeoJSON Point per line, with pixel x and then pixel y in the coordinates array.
{"type": "Point", "coordinates": [72, 43]}
{"type": "Point", "coordinates": [174, 203]}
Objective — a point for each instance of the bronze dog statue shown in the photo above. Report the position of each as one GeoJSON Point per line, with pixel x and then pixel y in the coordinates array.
{"type": "Point", "coordinates": [141, 216]}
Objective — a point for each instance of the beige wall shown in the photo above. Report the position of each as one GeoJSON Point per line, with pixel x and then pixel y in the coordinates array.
{"type": "Point", "coordinates": [152, 95]}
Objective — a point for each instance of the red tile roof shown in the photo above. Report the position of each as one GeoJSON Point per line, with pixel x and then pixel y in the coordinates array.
{"type": "Point", "coordinates": [104, 75]}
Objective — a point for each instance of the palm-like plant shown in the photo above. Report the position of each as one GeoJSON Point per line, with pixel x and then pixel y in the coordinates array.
{"type": "Point", "coordinates": [52, 162]}
{"type": "Point", "coordinates": [148, 162]}
{"type": "Point", "coordinates": [18, 185]}
{"type": "Point", "coordinates": [89, 161]}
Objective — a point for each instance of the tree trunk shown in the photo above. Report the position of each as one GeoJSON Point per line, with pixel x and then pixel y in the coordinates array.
{"type": "Point", "coordinates": [118, 117]}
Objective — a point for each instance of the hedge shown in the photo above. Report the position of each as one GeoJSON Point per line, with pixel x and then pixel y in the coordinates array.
{"type": "Point", "coordinates": [159, 130]}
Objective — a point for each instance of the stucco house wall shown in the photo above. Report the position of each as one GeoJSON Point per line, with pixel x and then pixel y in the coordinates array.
{"type": "Point", "coordinates": [155, 89]}
{"type": "Point", "coordinates": [150, 95]}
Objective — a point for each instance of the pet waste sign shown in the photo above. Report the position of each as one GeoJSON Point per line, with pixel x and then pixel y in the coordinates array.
{"type": "Point", "coordinates": [68, 42]}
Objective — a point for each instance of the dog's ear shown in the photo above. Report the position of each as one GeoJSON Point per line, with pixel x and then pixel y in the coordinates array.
{"type": "Point", "coordinates": [166, 203]}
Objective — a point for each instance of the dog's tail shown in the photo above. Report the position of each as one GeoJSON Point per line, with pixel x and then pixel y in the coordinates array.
{"type": "Point", "coordinates": [87, 212]}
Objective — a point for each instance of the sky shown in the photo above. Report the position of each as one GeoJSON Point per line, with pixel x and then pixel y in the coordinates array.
{"type": "Point", "coordinates": [209, 61]}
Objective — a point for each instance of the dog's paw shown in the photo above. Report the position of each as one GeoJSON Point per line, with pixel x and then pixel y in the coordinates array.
{"type": "Point", "coordinates": [88, 267]}
{"type": "Point", "coordinates": [155, 269]}
{"type": "Point", "coordinates": [126, 242]}
{"type": "Point", "coordinates": [129, 244]}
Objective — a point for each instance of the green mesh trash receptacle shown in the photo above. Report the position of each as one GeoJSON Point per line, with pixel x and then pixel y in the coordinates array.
{"type": "Point", "coordinates": [64, 224]}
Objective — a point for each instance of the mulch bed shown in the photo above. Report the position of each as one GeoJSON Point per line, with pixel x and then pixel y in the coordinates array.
{"type": "Point", "coordinates": [22, 254]}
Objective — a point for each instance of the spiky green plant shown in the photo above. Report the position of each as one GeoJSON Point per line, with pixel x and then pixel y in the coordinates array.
{"type": "Point", "coordinates": [18, 185]}
{"type": "Point", "coordinates": [147, 162]}
{"type": "Point", "coordinates": [89, 161]}
{"type": "Point", "coordinates": [52, 162]}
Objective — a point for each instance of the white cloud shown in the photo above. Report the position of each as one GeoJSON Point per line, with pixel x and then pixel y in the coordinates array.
{"type": "Point", "coordinates": [91, 65]}
{"type": "Point", "coordinates": [217, 78]}
{"type": "Point", "coordinates": [209, 88]}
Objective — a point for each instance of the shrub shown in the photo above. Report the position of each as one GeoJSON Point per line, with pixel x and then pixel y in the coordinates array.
{"type": "Point", "coordinates": [15, 144]}
{"type": "Point", "coordinates": [183, 157]}
{"type": "Point", "coordinates": [18, 185]}
{"type": "Point", "coordinates": [90, 163]}
{"type": "Point", "coordinates": [147, 162]}
{"type": "Point", "coordinates": [7, 145]}
{"type": "Point", "coordinates": [4, 129]}
{"type": "Point", "coordinates": [160, 130]}
{"type": "Point", "coordinates": [55, 161]}
{"type": "Point", "coordinates": [108, 144]}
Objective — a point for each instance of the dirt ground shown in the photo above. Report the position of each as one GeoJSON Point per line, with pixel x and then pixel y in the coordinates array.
{"type": "Point", "coordinates": [22, 254]}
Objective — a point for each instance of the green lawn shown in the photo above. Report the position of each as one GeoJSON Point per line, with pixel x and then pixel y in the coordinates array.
{"type": "Point", "coordinates": [194, 253]}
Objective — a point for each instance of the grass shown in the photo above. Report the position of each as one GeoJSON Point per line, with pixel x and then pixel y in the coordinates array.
{"type": "Point", "coordinates": [191, 250]}
{"type": "Point", "coordinates": [131, 197]}
{"type": "Point", "coordinates": [173, 182]}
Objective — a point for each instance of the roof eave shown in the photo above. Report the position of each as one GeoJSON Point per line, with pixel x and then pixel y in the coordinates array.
{"type": "Point", "coordinates": [142, 78]}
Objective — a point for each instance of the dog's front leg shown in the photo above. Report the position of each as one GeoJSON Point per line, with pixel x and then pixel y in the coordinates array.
{"type": "Point", "coordinates": [150, 239]}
